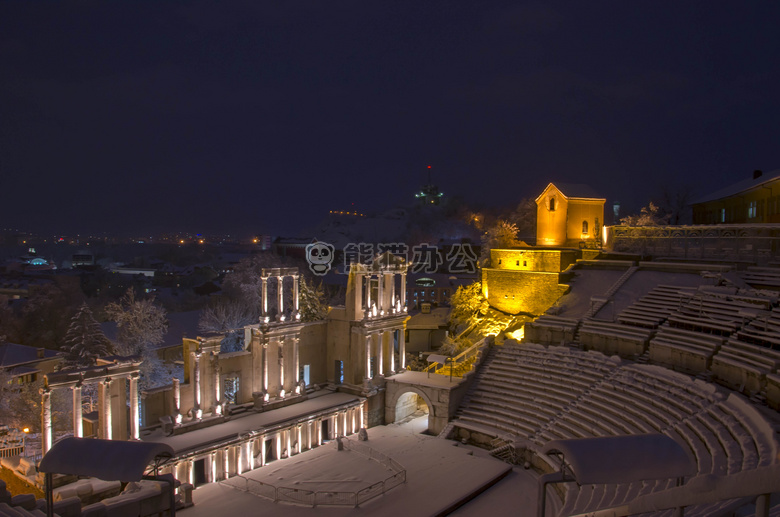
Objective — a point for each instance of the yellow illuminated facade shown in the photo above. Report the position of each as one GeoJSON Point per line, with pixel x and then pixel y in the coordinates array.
{"type": "Point", "coordinates": [568, 215]}
{"type": "Point", "coordinates": [525, 280]}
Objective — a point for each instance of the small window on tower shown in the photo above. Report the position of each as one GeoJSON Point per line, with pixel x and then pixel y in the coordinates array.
{"type": "Point", "coordinates": [584, 227]}
{"type": "Point", "coordinates": [552, 204]}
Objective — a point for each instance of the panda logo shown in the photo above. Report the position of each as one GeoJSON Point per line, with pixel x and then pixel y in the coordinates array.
{"type": "Point", "coordinates": [319, 255]}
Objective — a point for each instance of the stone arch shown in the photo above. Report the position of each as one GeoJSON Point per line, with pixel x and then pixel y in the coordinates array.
{"type": "Point", "coordinates": [390, 406]}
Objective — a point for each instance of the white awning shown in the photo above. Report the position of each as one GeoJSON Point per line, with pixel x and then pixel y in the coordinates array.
{"type": "Point", "coordinates": [623, 459]}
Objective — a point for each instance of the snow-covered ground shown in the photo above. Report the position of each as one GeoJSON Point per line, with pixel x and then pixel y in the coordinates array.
{"type": "Point", "coordinates": [641, 283]}
{"type": "Point", "coordinates": [440, 474]}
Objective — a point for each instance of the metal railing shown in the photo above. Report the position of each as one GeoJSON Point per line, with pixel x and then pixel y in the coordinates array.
{"type": "Point", "coordinates": [467, 355]}
{"type": "Point", "coordinates": [327, 497]}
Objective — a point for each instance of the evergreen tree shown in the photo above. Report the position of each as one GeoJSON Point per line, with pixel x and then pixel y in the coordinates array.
{"type": "Point", "coordinates": [85, 341]}
{"type": "Point", "coordinates": [313, 306]}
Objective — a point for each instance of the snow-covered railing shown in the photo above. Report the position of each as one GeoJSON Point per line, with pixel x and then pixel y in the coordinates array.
{"type": "Point", "coordinates": [327, 497]}
{"type": "Point", "coordinates": [462, 357]}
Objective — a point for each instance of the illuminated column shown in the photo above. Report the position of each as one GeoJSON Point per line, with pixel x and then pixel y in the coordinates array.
{"type": "Point", "coordinates": [295, 294]}
{"type": "Point", "coordinates": [264, 295]}
{"type": "Point", "coordinates": [391, 278]}
{"type": "Point", "coordinates": [401, 349]}
{"type": "Point", "coordinates": [360, 416]}
{"type": "Point", "coordinates": [265, 365]}
{"type": "Point", "coordinates": [318, 423]}
{"type": "Point", "coordinates": [308, 434]}
{"type": "Point", "coordinates": [334, 419]}
{"type": "Point", "coordinates": [279, 445]}
{"type": "Point", "coordinates": [106, 387]}
{"type": "Point", "coordinates": [379, 355]}
{"type": "Point", "coordinates": [226, 461]}
{"type": "Point", "coordinates": [262, 450]}
{"type": "Point", "coordinates": [196, 411]}
{"type": "Point", "coordinates": [403, 291]}
{"type": "Point", "coordinates": [380, 302]}
{"type": "Point", "coordinates": [344, 429]}
{"type": "Point", "coordinates": [300, 439]}
{"type": "Point", "coordinates": [191, 472]}
{"type": "Point", "coordinates": [281, 366]}
{"type": "Point", "coordinates": [248, 455]}
{"type": "Point", "coordinates": [46, 419]}
{"type": "Point", "coordinates": [217, 401]}
{"type": "Point", "coordinates": [368, 356]}
{"type": "Point", "coordinates": [368, 293]}
{"type": "Point", "coordinates": [134, 430]}
{"type": "Point", "coordinates": [176, 401]}
{"type": "Point", "coordinates": [213, 458]}
{"type": "Point", "coordinates": [78, 429]}
{"type": "Point", "coordinates": [296, 363]}
{"type": "Point", "coordinates": [391, 351]}
{"type": "Point", "coordinates": [280, 297]}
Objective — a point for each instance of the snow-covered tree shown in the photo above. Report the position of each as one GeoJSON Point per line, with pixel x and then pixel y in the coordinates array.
{"type": "Point", "coordinates": [228, 317]}
{"type": "Point", "coordinates": [649, 216]}
{"type": "Point", "coordinates": [141, 323]}
{"type": "Point", "coordinates": [501, 235]}
{"type": "Point", "coordinates": [85, 341]}
{"type": "Point", "coordinates": [467, 304]}
{"type": "Point", "coordinates": [313, 306]}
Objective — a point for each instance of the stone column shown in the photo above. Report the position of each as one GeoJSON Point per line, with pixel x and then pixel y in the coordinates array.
{"type": "Point", "coordinates": [368, 293]}
{"type": "Point", "coordinates": [391, 350]}
{"type": "Point", "coordinates": [360, 416]}
{"type": "Point", "coordinates": [46, 436]}
{"type": "Point", "coordinates": [368, 356]}
{"type": "Point", "coordinates": [401, 349]}
{"type": "Point", "coordinates": [308, 434]}
{"type": "Point", "coordinates": [379, 291]}
{"type": "Point", "coordinates": [134, 426]}
{"type": "Point", "coordinates": [380, 355]}
{"type": "Point", "coordinates": [318, 423]}
{"type": "Point", "coordinates": [295, 295]}
{"type": "Point", "coordinates": [217, 395]}
{"type": "Point", "coordinates": [196, 410]}
{"type": "Point", "coordinates": [403, 291]}
{"type": "Point", "coordinates": [78, 425]}
{"type": "Point", "coordinates": [281, 366]}
{"type": "Point", "coordinates": [226, 461]}
{"type": "Point", "coordinates": [296, 363]}
{"type": "Point", "coordinates": [265, 365]}
{"type": "Point", "coordinates": [391, 277]}
{"type": "Point", "coordinates": [107, 422]}
{"type": "Point", "coordinates": [280, 297]}
{"type": "Point", "coordinates": [264, 295]}
{"type": "Point", "coordinates": [300, 439]}
{"type": "Point", "coordinates": [176, 401]}
{"type": "Point", "coordinates": [262, 450]}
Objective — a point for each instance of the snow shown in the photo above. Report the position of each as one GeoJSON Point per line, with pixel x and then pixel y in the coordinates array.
{"type": "Point", "coordinates": [432, 380]}
{"type": "Point", "coordinates": [440, 474]}
{"type": "Point", "coordinates": [584, 284]}
{"type": "Point", "coordinates": [248, 422]}
{"type": "Point", "coordinates": [641, 283]}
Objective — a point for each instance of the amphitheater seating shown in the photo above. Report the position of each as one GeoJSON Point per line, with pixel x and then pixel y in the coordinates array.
{"type": "Point", "coordinates": [551, 330]}
{"type": "Point", "coordinates": [539, 394]}
{"type": "Point", "coordinates": [684, 350]}
{"type": "Point", "coordinates": [614, 338]}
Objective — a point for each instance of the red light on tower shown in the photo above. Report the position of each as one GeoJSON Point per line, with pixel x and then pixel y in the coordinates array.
{"type": "Point", "coordinates": [429, 166]}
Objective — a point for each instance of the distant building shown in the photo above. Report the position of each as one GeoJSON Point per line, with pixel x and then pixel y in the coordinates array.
{"type": "Point", "coordinates": [754, 200]}
{"type": "Point", "coordinates": [568, 215]}
{"type": "Point", "coordinates": [429, 194]}
{"type": "Point", "coordinates": [25, 363]}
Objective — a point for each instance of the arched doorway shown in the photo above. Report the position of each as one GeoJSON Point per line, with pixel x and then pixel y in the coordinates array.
{"type": "Point", "coordinates": [414, 409]}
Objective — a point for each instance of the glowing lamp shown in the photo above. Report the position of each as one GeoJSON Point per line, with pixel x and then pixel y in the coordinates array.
{"type": "Point", "coordinates": [26, 430]}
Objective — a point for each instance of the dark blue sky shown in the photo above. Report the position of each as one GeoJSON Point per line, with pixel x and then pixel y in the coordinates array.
{"type": "Point", "coordinates": [262, 116]}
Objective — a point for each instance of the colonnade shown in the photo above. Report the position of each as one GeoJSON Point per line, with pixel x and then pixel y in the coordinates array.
{"type": "Point", "coordinates": [279, 274]}
{"type": "Point", "coordinates": [257, 449]}
{"type": "Point", "coordinates": [375, 348]}
{"type": "Point", "coordinates": [108, 378]}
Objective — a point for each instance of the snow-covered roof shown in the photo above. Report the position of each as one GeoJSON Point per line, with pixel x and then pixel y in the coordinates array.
{"type": "Point", "coordinates": [623, 459]}
{"type": "Point", "coordinates": [12, 354]}
{"type": "Point", "coordinates": [573, 191]}
{"type": "Point", "coordinates": [738, 187]}
{"type": "Point", "coordinates": [112, 460]}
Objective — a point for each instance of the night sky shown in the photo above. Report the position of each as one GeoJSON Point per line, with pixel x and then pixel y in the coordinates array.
{"type": "Point", "coordinates": [262, 116]}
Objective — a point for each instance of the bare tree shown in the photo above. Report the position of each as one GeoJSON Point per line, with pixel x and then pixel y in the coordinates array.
{"type": "Point", "coordinates": [228, 317]}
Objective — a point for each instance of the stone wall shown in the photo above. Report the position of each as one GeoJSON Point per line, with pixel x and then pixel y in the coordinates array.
{"type": "Point", "coordinates": [517, 292]}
